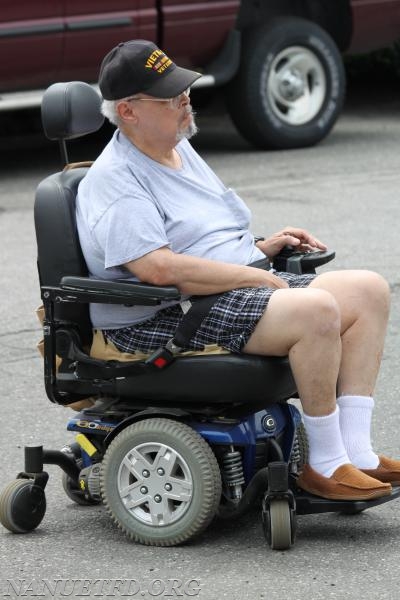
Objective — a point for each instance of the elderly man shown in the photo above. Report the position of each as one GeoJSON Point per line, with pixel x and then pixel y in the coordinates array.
{"type": "Point", "coordinates": [150, 209]}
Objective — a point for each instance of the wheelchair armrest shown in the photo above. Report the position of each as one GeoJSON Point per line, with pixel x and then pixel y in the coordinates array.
{"type": "Point", "coordinates": [85, 289]}
{"type": "Point", "coordinates": [301, 262]}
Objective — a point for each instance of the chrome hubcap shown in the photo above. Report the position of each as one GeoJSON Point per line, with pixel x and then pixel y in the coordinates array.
{"type": "Point", "coordinates": [296, 85]}
{"type": "Point", "coordinates": [291, 85]}
{"type": "Point", "coordinates": [155, 484]}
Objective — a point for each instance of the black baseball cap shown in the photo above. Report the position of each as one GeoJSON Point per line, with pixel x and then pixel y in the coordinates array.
{"type": "Point", "coordinates": [140, 66]}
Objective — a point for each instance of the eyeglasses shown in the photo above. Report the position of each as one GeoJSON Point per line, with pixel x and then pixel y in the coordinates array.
{"type": "Point", "coordinates": [174, 102]}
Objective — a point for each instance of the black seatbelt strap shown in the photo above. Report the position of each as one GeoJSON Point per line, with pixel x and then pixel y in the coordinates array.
{"type": "Point", "coordinates": [191, 321]}
{"type": "Point", "coordinates": [201, 306]}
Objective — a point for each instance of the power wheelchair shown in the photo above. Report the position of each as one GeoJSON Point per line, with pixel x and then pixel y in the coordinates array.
{"type": "Point", "coordinates": [165, 449]}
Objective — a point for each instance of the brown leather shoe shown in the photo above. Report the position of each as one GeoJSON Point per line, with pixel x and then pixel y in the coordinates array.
{"type": "Point", "coordinates": [387, 471]}
{"type": "Point", "coordinates": [346, 483]}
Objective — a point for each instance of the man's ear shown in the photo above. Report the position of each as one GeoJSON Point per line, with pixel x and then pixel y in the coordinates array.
{"type": "Point", "coordinates": [126, 111]}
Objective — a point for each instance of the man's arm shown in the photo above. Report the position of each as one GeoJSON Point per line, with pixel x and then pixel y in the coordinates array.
{"type": "Point", "coordinates": [197, 276]}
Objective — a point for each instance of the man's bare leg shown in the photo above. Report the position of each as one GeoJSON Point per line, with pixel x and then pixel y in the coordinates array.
{"type": "Point", "coordinates": [303, 324]}
{"type": "Point", "coordinates": [363, 298]}
{"type": "Point", "coordinates": [333, 338]}
{"type": "Point", "coordinates": [308, 328]}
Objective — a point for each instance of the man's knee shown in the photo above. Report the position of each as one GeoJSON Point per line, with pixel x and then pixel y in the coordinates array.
{"type": "Point", "coordinates": [375, 290]}
{"type": "Point", "coordinates": [358, 292]}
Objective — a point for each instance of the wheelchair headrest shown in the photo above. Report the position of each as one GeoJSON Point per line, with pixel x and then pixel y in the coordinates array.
{"type": "Point", "coordinates": [71, 110]}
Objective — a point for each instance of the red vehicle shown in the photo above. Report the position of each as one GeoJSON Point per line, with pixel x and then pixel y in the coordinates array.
{"type": "Point", "coordinates": [279, 60]}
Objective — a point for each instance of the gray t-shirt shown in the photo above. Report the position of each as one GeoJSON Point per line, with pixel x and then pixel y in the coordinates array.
{"type": "Point", "coordinates": [129, 205]}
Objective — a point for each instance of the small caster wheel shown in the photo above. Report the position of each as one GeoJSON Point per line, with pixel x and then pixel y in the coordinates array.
{"type": "Point", "coordinates": [22, 506]}
{"type": "Point", "coordinates": [279, 525]}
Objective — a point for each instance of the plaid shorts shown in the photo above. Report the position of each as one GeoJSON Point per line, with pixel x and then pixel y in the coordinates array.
{"type": "Point", "coordinates": [229, 324]}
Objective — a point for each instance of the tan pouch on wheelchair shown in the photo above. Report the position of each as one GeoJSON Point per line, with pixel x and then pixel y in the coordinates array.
{"type": "Point", "coordinates": [80, 404]}
{"type": "Point", "coordinates": [104, 349]}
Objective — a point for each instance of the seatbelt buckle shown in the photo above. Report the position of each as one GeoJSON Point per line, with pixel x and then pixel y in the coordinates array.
{"type": "Point", "coordinates": [160, 358]}
{"type": "Point", "coordinates": [163, 356]}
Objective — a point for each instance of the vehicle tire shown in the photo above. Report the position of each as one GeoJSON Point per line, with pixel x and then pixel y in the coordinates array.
{"type": "Point", "coordinates": [290, 86]}
{"type": "Point", "coordinates": [22, 506]}
{"type": "Point", "coordinates": [279, 525]}
{"type": "Point", "coordinates": [160, 482]}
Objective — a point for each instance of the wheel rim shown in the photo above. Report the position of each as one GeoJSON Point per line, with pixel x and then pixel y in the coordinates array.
{"type": "Point", "coordinates": [155, 484]}
{"type": "Point", "coordinates": [280, 525]}
{"type": "Point", "coordinates": [296, 85]}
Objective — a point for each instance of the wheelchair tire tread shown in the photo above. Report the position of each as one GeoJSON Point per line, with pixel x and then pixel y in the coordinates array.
{"type": "Point", "coordinates": [207, 463]}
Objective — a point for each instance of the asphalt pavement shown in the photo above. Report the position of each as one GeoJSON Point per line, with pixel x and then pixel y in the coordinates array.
{"type": "Point", "coordinates": [346, 191]}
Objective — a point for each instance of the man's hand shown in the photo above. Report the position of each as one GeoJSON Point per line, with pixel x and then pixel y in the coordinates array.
{"type": "Point", "coordinates": [273, 281]}
{"type": "Point", "coordinates": [300, 239]}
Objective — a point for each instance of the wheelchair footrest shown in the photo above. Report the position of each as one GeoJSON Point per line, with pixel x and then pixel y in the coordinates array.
{"type": "Point", "coordinates": [307, 504]}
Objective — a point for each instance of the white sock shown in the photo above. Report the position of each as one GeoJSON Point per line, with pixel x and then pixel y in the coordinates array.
{"type": "Point", "coordinates": [355, 425]}
{"type": "Point", "coordinates": [326, 448]}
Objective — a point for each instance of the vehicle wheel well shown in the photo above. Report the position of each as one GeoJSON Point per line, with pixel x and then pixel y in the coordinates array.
{"type": "Point", "coordinates": [335, 17]}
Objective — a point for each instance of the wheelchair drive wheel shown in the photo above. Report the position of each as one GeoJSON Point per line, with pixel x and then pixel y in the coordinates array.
{"type": "Point", "coordinates": [22, 506]}
{"type": "Point", "coordinates": [160, 482]}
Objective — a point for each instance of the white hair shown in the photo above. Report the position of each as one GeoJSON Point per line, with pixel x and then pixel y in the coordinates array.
{"type": "Point", "coordinates": [109, 110]}
{"type": "Point", "coordinates": [188, 132]}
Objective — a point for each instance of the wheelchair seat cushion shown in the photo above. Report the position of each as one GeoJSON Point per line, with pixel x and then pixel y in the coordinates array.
{"type": "Point", "coordinates": [206, 380]}
{"type": "Point", "coordinates": [211, 376]}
